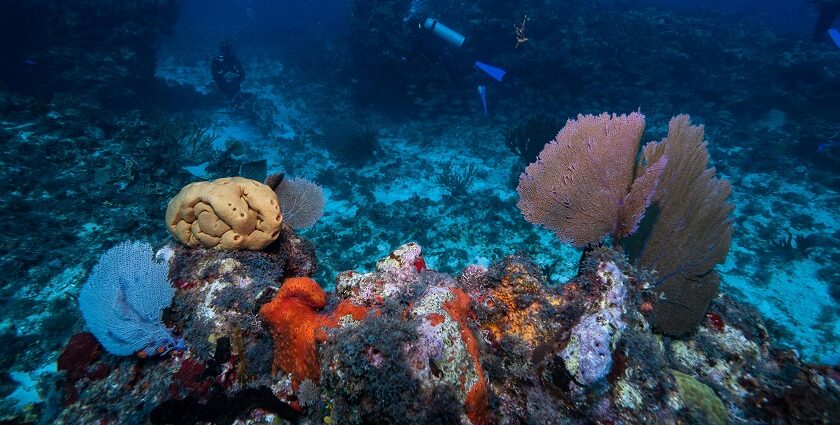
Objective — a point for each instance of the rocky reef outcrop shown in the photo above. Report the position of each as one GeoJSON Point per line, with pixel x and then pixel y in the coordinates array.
{"type": "Point", "coordinates": [406, 344]}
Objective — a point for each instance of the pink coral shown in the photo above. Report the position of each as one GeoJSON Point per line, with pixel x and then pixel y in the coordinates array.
{"type": "Point", "coordinates": [583, 186]}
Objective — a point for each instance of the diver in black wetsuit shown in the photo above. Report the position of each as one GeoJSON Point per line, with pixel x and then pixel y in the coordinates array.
{"type": "Point", "coordinates": [829, 10]}
{"type": "Point", "coordinates": [435, 51]}
{"type": "Point", "coordinates": [227, 71]}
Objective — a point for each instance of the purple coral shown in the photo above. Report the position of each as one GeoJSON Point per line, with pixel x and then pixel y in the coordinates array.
{"type": "Point", "coordinates": [588, 354]}
{"type": "Point", "coordinates": [585, 185]}
{"type": "Point", "coordinates": [123, 301]}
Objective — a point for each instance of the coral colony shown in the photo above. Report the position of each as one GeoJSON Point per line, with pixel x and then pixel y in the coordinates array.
{"type": "Point", "coordinates": [375, 212]}
{"type": "Point", "coordinates": [403, 343]}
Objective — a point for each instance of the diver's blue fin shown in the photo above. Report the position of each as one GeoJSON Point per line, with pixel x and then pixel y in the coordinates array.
{"type": "Point", "coordinates": [835, 36]}
{"type": "Point", "coordinates": [492, 71]}
{"type": "Point", "coordinates": [482, 92]}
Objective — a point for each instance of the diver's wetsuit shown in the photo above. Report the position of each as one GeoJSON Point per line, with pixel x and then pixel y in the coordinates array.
{"type": "Point", "coordinates": [228, 74]}
{"type": "Point", "coordinates": [829, 10]}
{"type": "Point", "coordinates": [436, 51]}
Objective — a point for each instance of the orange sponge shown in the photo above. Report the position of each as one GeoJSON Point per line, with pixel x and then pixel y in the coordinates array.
{"type": "Point", "coordinates": [476, 403]}
{"type": "Point", "coordinates": [296, 324]}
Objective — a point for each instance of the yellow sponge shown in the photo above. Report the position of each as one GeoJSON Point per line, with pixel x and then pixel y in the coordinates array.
{"type": "Point", "coordinates": [225, 214]}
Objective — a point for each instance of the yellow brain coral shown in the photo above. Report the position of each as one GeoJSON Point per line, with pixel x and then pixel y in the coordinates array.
{"type": "Point", "coordinates": [225, 214]}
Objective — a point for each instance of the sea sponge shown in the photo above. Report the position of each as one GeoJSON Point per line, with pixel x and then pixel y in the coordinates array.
{"type": "Point", "coordinates": [476, 403]}
{"type": "Point", "coordinates": [296, 324]}
{"type": "Point", "coordinates": [225, 214]}
{"type": "Point", "coordinates": [699, 396]}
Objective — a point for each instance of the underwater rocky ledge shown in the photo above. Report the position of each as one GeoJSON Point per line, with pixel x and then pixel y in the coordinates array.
{"type": "Point", "coordinates": [265, 344]}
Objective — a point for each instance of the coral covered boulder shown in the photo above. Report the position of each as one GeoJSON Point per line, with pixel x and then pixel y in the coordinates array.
{"type": "Point", "coordinates": [406, 344]}
{"type": "Point", "coordinates": [419, 340]}
{"type": "Point", "coordinates": [228, 213]}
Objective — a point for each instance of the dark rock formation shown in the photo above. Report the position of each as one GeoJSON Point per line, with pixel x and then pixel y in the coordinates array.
{"type": "Point", "coordinates": [104, 50]}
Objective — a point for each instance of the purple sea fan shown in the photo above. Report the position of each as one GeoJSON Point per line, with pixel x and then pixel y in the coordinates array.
{"type": "Point", "coordinates": [585, 184]}
{"type": "Point", "coordinates": [692, 231]}
{"type": "Point", "coordinates": [123, 299]}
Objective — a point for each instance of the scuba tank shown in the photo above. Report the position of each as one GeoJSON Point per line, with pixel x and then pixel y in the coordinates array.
{"type": "Point", "coordinates": [443, 32]}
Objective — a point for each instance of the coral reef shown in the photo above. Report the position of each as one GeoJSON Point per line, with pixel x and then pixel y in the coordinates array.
{"type": "Point", "coordinates": [228, 213]}
{"type": "Point", "coordinates": [95, 143]}
{"type": "Point", "coordinates": [296, 324]}
{"type": "Point", "coordinates": [406, 344]}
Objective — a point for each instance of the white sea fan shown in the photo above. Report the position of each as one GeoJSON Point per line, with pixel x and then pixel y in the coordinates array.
{"type": "Point", "coordinates": [302, 202]}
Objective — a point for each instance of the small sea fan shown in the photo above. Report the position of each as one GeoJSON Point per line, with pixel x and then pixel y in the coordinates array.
{"type": "Point", "coordinates": [302, 202]}
{"type": "Point", "coordinates": [308, 393]}
{"type": "Point", "coordinates": [123, 299]}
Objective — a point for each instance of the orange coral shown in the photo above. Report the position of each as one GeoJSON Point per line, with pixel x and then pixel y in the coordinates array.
{"type": "Point", "coordinates": [296, 324]}
{"type": "Point", "coordinates": [476, 403]}
{"type": "Point", "coordinates": [435, 319]}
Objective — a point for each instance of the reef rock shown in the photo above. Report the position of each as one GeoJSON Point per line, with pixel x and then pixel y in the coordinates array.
{"type": "Point", "coordinates": [406, 344]}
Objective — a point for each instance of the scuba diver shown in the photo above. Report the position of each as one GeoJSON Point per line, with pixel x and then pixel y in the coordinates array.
{"type": "Point", "coordinates": [227, 71]}
{"type": "Point", "coordinates": [435, 41]}
{"type": "Point", "coordinates": [436, 49]}
{"type": "Point", "coordinates": [829, 10]}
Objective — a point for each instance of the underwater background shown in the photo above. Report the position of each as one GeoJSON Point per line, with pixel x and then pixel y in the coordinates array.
{"type": "Point", "coordinates": [109, 108]}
